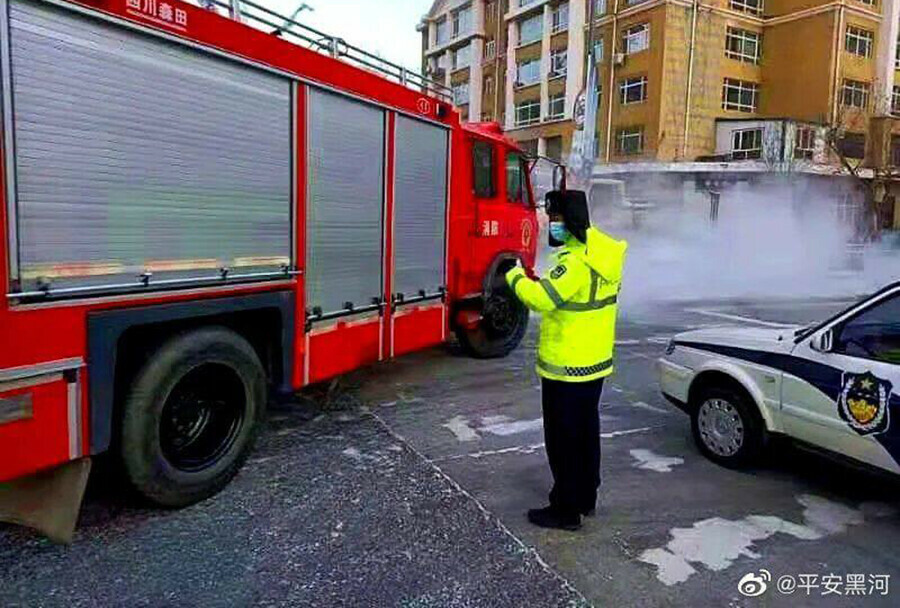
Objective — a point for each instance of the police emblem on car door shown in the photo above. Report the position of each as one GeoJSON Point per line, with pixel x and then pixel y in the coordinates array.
{"type": "Point", "coordinates": [864, 401]}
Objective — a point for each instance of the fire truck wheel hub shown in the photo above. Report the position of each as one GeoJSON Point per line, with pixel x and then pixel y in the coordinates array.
{"type": "Point", "coordinates": [202, 417]}
{"type": "Point", "coordinates": [500, 316]}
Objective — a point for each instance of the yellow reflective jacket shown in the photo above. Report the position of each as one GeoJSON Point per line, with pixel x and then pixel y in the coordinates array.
{"type": "Point", "coordinates": [577, 299]}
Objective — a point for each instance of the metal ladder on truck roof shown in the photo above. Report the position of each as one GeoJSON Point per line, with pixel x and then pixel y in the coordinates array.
{"type": "Point", "coordinates": [260, 17]}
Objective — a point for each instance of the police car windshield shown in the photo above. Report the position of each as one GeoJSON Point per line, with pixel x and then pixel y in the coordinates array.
{"type": "Point", "coordinates": [808, 330]}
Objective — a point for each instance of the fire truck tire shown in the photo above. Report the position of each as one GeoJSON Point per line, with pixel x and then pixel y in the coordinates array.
{"type": "Point", "coordinates": [490, 340]}
{"type": "Point", "coordinates": [191, 416]}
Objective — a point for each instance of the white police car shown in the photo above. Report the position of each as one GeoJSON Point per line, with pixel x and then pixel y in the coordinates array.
{"type": "Point", "coordinates": [833, 385]}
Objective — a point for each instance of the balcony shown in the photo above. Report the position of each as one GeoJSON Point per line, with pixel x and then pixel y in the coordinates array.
{"type": "Point", "coordinates": [517, 10]}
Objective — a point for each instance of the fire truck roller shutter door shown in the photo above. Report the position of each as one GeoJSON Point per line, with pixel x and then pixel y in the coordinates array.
{"type": "Point", "coordinates": [135, 154]}
{"type": "Point", "coordinates": [345, 195]}
{"type": "Point", "coordinates": [420, 203]}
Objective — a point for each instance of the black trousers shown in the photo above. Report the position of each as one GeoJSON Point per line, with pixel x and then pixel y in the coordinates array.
{"type": "Point", "coordinates": [572, 437]}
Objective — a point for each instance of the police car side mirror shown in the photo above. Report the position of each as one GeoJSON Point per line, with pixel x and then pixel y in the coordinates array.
{"type": "Point", "coordinates": [824, 342]}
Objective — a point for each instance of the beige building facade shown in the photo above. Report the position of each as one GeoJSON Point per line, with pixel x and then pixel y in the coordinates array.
{"type": "Point", "coordinates": [674, 73]}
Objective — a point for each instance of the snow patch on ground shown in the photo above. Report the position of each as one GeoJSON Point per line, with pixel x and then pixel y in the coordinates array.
{"type": "Point", "coordinates": [654, 462]}
{"type": "Point", "coordinates": [716, 542]}
{"type": "Point", "coordinates": [459, 426]}
{"type": "Point", "coordinates": [505, 426]}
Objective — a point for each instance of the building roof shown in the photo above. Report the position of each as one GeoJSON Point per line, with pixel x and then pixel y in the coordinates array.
{"type": "Point", "coordinates": [435, 6]}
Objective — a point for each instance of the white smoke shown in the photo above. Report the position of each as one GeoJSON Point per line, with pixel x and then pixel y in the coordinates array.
{"type": "Point", "coordinates": [770, 240]}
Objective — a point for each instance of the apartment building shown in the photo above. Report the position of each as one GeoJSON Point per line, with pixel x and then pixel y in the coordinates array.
{"type": "Point", "coordinates": [678, 80]}
{"type": "Point", "coordinates": [523, 64]}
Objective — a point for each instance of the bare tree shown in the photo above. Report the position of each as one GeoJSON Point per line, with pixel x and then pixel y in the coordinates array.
{"type": "Point", "coordinates": [872, 171]}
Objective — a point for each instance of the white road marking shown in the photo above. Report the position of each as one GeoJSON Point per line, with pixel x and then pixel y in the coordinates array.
{"type": "Point", "coordinates": [627, 342]}
{"type": "Point", "coordinates": [722, 315]}
{"type": "Point", "coordinates": [459, 426]}
{"type": "Point", "coordinates": [625, 432]}
{"type": "Point", "coordinates": [654, 462]}
{"type": "Point", "coordinates": [517, 449]}
{"type": "Point", "coordinates": [530, 448]}
{"type": "Point", "coordinates": [504, 426]}
{"type": "Point", "coordinates": [659, 339]}
{"type": "Point", "coordinates": [716, 542]}
{"type": "Point", "coordinates": [652, 408]}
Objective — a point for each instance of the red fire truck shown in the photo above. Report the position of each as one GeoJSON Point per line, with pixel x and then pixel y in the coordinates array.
{"type": "Point", "coordinates": [198, 213]}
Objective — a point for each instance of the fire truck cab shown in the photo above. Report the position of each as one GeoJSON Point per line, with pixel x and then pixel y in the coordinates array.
{"type": "Point", "coordinates": [198, 213]}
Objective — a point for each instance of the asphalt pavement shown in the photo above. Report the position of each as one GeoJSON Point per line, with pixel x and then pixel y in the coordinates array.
{"type": "Point", "coordinates": [407, 485]}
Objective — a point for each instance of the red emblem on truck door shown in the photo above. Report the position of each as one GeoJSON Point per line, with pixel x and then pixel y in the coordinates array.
{"type": "Point", "coordinates": [527, 233]}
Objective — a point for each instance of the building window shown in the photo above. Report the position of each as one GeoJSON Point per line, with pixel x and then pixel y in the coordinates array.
{"type": "Point", "coordinates": [526, 2]}
{"type": "Point", "coordinates": [598, 50]}
{"type": "Point", "coordinates": [490, 9]}
{"type": "Point", "coordinates": [895, 101]}
{"type": "Point", "coordinates": [633, 90]}
{"type": "Point", "coordinates": [897, 55]}
{"type": "Point", "coordinates": [739, 95]}
{"type": "Point", "coordinates": [462, 57]}
{"type": "Point", "coordinates": [804, 143]}
{"type": "Point", "coordinates": [895, 150]}
{"type": "Point", "coordinates": [599, 8]}
{"type": "Point", "coordinates": [442, 32]}
{"type": "Point", "coordinates": [558, 63]}
{"type": "Point", "coordinates": [461, 94]}
{"type": "Point", "coordinates": [853, 145]}
{"type": "Point", "coordinates": [630, 140]}
{"type": "Point", "coordinates": [462, 21]}
{"type": "Point", "coordinates": [858, 41]}
{"type": "Point", "coordinates": [488, 85]}
{"type": "Point", "coordinates": [554, 148]}
{"type": "Point", "coordinates": [754, 7]}
{"type": "Point", "coordinates": [529, 147]}
{"type": "Point", "coordinates": [855, 94]}
{"type": "Point", "coordinates": [528, 112]}
{"type": "Point", "coordinates": [742, 45]}
{"type": "Point", "coordinates": [636, 38]}
{"type": "Point", "coordinates": [531, 29]}
{"type": "Point", "coordinates": [490, 49]}
{"type": "Point", "coordinates": [528, 72]}
{"type": "Point", "coordinates": [746, 143]}
{"type": "Point", "coordinates": [483, 162]}
{"type": "Point", "coordinates": [557, 108]}
{"type": "Point", "coordinates": [560, 17]}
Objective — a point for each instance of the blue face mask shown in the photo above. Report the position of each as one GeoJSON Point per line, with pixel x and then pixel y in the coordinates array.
{"type": "Point", "coordinates": [558, 231]}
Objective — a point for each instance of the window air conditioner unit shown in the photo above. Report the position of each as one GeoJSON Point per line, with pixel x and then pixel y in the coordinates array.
{"type": "Point", "coordinates": [619, 59]}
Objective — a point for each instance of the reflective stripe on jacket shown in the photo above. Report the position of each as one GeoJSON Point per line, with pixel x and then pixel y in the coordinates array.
{"type": "Point", "coordinates": [577, 299]}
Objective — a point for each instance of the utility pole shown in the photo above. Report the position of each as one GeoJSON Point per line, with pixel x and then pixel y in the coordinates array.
{"type": "Point", "coordinates": [584, 113]}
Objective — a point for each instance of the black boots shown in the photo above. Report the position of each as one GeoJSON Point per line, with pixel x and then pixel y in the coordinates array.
{"type": "Point", "coordinates": [548, 517]}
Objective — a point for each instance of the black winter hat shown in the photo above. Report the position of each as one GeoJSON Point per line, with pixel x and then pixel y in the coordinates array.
{"type": "Point", "coordinates": [572, 206]}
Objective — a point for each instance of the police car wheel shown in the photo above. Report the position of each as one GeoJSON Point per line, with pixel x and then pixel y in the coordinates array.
{"type": "Point", "coordinates": [727, 427]}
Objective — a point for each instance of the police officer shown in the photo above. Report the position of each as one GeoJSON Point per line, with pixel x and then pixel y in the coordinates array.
{"type": "Point", "coordinates": [577, 301]}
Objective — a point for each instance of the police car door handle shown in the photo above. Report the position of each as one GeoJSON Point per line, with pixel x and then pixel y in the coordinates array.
{"type": "Point", "coordinates": [769, 379]}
